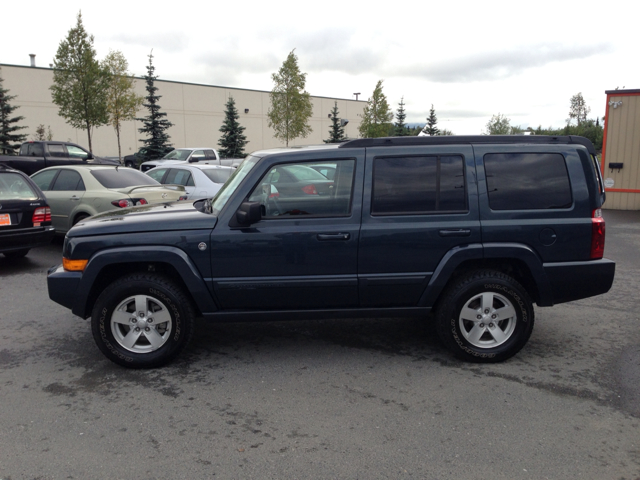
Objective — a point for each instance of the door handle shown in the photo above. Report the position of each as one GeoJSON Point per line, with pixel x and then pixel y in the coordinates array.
{"type": "Point", "coordinates": [333, 236]}
{"type": "Point", "coordinates": [458, 232]}
{"type": "Point", "coordinates": [74, 198]}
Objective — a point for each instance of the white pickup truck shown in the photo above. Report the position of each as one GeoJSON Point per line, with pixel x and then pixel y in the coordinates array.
{"type": "Point", "coordinates": [200, 155]}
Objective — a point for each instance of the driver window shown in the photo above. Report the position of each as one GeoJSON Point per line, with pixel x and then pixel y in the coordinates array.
{"type": "Point", "coordinates": [318, 189]}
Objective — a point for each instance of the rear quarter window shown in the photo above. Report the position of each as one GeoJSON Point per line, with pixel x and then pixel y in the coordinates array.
{"type": "Point", "coordinates": [13, 186]}
{"type": "Point", "coordinates": [527, 181]}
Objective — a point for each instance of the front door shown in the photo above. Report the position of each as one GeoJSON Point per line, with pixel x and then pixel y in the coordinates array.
{"type": "Point", "coordinates": [303, 253]}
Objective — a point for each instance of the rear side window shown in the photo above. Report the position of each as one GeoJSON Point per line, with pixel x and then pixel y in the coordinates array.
{"type": "Point", "coordinates": [122, 177]}
{"type": "Point", "coordinates": [527, 181]}
{"type": "Point", "coordinates": [178, 176]}
{"type": "Point", "coordinates": [57, 150]}
{"type": "Point", "coordinates": [418, 185]}
{"type": "Point", "coordinates": [68, 180]}
{"type": "Point", "coordinates": [13, 186]}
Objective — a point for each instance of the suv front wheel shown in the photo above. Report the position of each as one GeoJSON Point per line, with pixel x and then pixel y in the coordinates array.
{"type": "Point", "coordinates": [142, 321]}
{"type": "Point", "coordinates": [485, 316]}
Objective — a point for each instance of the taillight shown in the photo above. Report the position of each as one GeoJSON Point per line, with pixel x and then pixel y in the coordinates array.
{"type": "Point", "coordinates": [129, 202]}
{"type": "Point", "coordinates": [310, 190]}
{"type": "Point", "coordinates": [183, 197]}
{"type": "Point", "coordinates": [41, 215]}
{"type": "Point", "coordinates": [597, 235]}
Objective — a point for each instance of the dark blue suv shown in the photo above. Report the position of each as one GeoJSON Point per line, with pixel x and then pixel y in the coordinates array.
{"type": "Point", "coordinates": [473, 229]}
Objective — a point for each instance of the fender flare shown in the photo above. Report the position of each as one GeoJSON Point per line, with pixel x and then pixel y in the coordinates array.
{"type": "Point", "coordinates": [508, 251]}
{"type": "Point", "coordinates": [178, 259]}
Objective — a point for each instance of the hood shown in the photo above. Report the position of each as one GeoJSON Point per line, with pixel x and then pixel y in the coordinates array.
{"type": "Point", "coordinates": [160, 161]}
{"type": "Point", "coordinates": [146, 218]}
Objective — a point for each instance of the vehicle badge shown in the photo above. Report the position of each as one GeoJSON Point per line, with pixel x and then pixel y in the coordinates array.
{"type": "Point", "coordinates": [164, 195]}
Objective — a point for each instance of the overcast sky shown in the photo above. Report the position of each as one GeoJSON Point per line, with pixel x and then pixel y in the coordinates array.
{"type": "Point", "coordinates": [470, 59]}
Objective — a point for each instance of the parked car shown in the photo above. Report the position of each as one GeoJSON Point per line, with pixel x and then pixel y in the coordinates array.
{"type": "Point", "coordinates": [25, 217]}
{"type": "Point", "coordinates": [36, 155]}
{"type": "Point", "coordinates": [474, 229]}
{"type": "Point", "coordinates": [75, 193]}
{"type": "Point", "coordinates": [134, 160]}
{"type": "Point", "coordinates": [206, 156]}
{"type": "Point", "coordinates": [199, 181]}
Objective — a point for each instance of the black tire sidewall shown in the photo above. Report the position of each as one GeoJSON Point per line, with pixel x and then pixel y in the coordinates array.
{"type": "Point", "coordinates": [153, 286]}
{"type": "Point", "coordinates": [449, 312]}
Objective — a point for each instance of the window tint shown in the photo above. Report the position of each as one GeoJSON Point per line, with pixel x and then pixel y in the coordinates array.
{"type": "Point", "coordinates": [68, 180]}
{"type": "Point", "coordinates": [526, 181]}
{"type": "Point", "coordinates": [122, 177]}
{"type": "Point", "coordinates": [210, 155]}
{"type": "Point", "coordinates": [57, 150]}
{"type": "Point", "coordinates": [43, 179]}
{"type": "Point", "coordinates": [14, 186]}
{"type": "Point", "coordinates": [415, 185]}
{"type": "Point", "coordinates": [298, 190]}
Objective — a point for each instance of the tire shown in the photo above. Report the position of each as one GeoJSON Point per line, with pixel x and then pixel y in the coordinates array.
{"type": "Point", "coordinates": [160, 311]}
{"type": "Point", "coordinates": [485, 317]}
{"type": "Point", "coordinates": [17, 253]}
{"type": "Point", "coordinates": [128, 163]}
{"type": "Point", "coordinates": [80, 217]}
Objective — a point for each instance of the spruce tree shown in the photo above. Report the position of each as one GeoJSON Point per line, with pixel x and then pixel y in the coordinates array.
{"type": "Point", "coordinates": [155, 124]}
{"type": "Point", "coordinates": [336, 132]}
{"type": "Point", "coordinates": [233, 139]}
{"type": "Point", "coordinates": [400, 127]}
{"type": "Point", "coordinates": [431, 128]}
{"type": "Point", "coordinates": [10, 140]}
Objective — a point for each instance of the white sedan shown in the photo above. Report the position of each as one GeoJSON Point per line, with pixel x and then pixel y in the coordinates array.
{"type": "Point", "coordinates": [199, 181]}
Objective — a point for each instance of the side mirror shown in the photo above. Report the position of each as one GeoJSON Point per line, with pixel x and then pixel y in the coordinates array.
{"type": "Point", "coordinates": [248, 214]}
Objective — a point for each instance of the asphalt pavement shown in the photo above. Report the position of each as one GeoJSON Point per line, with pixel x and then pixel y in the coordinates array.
{"type": "Point", "coordinates": [331, 399]}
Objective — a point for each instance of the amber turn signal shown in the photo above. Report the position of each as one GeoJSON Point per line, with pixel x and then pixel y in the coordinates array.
{"type": "Point", "coordinates": [74, 265]}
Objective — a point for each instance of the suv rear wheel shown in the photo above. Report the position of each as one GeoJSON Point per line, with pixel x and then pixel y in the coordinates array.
{"type": "Point", "coordinates": [485, 316]}
{"type": "Point", "coordinates": [142, 321]}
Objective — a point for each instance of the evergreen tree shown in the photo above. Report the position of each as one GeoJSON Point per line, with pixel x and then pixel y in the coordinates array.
{"type": "Point", "coordinates": [10, 140]}
{"type": "Point", "coordinates": [431, 127]}
{"type": "Point", "coordinates": [233, 139]}
{"type": "Point", "coordinates": [122, 101]}
{"type": "Point", "coordinates": [400, 127]}
{"type": "Point", "coordinates": [376, 116]}
{"type": "Point", "coordinates": [155, 124]}
{"type": "Point", "coordinates": [79, 82]}
{"type": "Point", "coordinates": [291, 105]}
{"type": "Point", "coordinates": [336, 132]}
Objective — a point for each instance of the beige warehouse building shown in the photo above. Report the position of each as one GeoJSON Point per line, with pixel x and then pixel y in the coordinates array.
{"type": "Point", "coordinates": [197, 112]}
{"type": "Point", "coordinates": [621, 150]}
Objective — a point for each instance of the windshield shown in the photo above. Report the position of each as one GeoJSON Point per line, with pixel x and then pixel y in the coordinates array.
{"type": "Point", "coordinates": [122, 177]}
{"type": "Point", "coordinates": [177, 155]}
{"type": "Point", "coordinates": [220, 200]}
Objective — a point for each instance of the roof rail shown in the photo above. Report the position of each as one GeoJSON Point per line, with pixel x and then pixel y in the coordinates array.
{"type": "Point", "coordinates": [458, 139]}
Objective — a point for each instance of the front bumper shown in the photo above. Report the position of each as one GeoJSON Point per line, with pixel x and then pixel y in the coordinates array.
{"type": "Point", "coordinates": [63, 285]}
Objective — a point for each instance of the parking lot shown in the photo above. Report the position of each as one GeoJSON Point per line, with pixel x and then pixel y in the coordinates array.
{"type": "Point", "coordinates": [339, 399]}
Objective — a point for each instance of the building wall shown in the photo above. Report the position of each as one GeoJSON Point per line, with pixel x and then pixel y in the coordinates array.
{"type": "Point", "coordinates": [622, 145]}
{"type": "Point", "coordinates": [197, 112]}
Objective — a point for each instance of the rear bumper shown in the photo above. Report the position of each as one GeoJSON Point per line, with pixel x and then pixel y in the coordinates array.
{"type": "Point", "coordinates": [576, 280]}
{"type": "Point", "coordinates": [11, 240]}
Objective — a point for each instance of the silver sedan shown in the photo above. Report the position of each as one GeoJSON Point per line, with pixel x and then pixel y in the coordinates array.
{"type": "Point", "coordinates": [199, 181]}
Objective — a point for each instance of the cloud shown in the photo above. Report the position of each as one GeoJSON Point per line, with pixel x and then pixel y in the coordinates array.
{"type": "Point", "coordinates": [496, 65]}
{"type": "Point", "coordinates": [169, 42]}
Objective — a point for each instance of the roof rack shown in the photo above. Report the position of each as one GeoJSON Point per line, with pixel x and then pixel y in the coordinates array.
{"type": "Point", "coordinates": [458, 139]}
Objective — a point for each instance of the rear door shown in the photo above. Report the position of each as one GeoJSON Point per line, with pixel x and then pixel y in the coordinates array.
{"type": "Point", "coordinates": [63, 195]}
{"type": "Point", "coordinates": [421, 203]}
